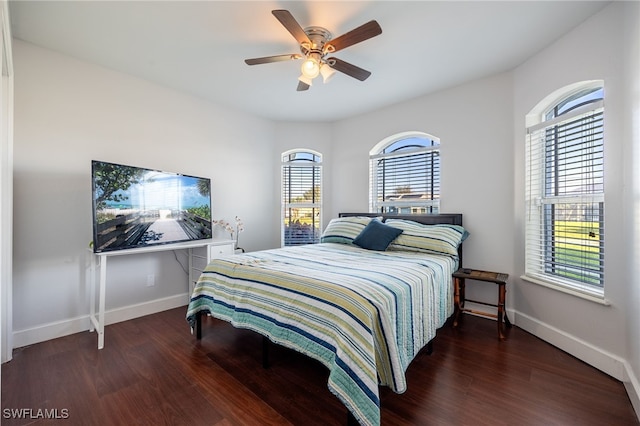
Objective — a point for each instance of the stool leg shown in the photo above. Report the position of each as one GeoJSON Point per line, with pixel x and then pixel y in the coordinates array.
{"type": "Point", "coordinates": [506, 319]}
{"type": "Point", "coordinates": [458, 288]}
{"type": "Point", "coordinates": [501, 297]}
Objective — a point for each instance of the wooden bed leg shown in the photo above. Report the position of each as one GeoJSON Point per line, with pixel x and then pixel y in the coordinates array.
{"type": "Point", "coordinates": [265, 352]}
{"type": "Point", "coordinates": [199, 325]}
{"type": "Point", "coordinates": [351, 419]}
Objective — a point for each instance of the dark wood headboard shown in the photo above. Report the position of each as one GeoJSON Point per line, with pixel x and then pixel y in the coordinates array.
{"type": "Point", "coordinates": [427, 219]}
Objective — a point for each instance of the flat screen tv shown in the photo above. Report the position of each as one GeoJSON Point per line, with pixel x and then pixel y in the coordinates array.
{"type": "Point", "coordinates": [135, 207]}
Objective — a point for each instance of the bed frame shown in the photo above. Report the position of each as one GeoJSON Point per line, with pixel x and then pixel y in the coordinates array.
{"type": "Point", "coordinates": [427, 219]}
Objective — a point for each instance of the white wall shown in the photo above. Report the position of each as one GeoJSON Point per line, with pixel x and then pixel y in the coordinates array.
{"type": "Point", "coordinates": [631, 138]}
{"type": "Point", "coordinates": [589, 330]}
{"type": "Point", "coordinates": [68, 112]}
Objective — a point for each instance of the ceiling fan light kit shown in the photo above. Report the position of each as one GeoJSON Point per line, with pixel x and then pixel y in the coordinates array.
{"type": "Point", "coordinates": [327, 73]}
{"type": "Point", "coordinates": [311, 66]}
{"type": "Point", "coordinates": [315, 43]}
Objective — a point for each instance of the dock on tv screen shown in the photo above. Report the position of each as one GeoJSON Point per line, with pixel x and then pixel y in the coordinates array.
{"type": "Point", "coordinates": [137, 207]}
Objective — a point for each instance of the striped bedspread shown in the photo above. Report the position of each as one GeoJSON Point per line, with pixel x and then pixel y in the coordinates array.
{"type": "Point", "coordinates": [363, 314]}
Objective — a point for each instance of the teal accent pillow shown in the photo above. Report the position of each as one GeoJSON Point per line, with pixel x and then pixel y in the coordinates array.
{"type": "Point", "coordinates": [376, 236]}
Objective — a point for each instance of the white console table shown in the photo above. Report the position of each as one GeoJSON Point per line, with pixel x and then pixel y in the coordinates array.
{"type": "Point", "coordinates": [214, 248]}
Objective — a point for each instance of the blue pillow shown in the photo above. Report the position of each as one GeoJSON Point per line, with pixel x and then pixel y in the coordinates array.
{"type": "Point", "coordinates": [376, 236]}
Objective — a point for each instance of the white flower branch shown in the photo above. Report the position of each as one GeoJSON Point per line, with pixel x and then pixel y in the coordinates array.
{"type": "Point", "coordinates": [234, 228]}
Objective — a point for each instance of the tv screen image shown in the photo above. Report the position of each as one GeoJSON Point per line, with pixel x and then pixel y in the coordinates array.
{"type": "Point", "coordinates": [137, 207]}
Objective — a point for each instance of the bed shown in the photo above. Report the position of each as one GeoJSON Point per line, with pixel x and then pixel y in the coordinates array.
{"type": "Point", "coordinates": [363, 302]}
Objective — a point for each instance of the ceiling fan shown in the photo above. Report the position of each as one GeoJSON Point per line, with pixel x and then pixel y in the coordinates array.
{"type": "Point", "coordinates": [315, 45]}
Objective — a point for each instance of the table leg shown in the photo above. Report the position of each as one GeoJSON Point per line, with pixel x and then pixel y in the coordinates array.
{"type": "Point", "coordinates": [92, 293]}
{"type": "Point", "coordinates": [101, 302]}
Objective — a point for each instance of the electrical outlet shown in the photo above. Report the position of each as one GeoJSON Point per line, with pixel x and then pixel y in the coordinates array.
{"type": "Point", "coordinates": [151, 280]}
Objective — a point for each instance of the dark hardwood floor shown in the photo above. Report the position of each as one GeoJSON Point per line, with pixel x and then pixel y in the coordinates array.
{"type": "Point", "coordinates": [153, 372]}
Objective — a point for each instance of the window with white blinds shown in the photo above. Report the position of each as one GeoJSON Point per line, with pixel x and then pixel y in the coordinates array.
{"type": "Point", "coordinates": [405, 175]}
{"type": "Point", "coordinates": [301, 197]}
{"type": "Point", "coordinates": [565, 194]}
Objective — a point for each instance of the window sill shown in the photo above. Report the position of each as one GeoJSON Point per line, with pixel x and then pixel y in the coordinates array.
{"type": "Point", "coordinates": [591, 296]}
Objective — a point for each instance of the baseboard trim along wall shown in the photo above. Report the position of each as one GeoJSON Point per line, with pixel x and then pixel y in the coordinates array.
{"type": "Point", "coordinates": [604, 361]}
{"type": "Point", "coordinates": [632, 386]}
{"type": "Point", "coordinates": [81, 324]}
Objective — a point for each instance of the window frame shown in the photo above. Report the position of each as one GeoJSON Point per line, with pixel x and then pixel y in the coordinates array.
{"type": "Point", "coordinates": [377, 153]}
{"type": "Point", "coordinates": [543, 265]}
{"type": "Point", "coordinates": [315, 164]}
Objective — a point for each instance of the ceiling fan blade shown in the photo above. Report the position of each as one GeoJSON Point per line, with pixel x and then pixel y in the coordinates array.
{"type": "Point", "coordinates": [302, 86]}
{"type": "Point", "coordinates": [357, 35]}
{"type": "Point", "coordinates": [349, 69]}
{"type": "Point", "coordinates": [269, 59]}
{"type": "Point", "coordinates": [290, 23]}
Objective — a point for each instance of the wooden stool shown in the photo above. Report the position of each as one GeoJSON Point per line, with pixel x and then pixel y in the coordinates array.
{"type": "Point", "coordinates": [498, 278]}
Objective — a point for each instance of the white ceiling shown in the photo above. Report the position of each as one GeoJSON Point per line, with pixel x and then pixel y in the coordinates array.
{"type": "Point", "coordinates": [199, 47]}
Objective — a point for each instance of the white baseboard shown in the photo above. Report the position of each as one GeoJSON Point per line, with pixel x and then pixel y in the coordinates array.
{"type": "Point", "coordinates": [57, 329]}
{"type": "Point", "coordinates": [50, 331]}
{"type": "Point", "coordinates": [632, 386]}
{"type": "Point", "coordinates": [604, 361]}
{"type": "Point", "coordinates": [147, 308]}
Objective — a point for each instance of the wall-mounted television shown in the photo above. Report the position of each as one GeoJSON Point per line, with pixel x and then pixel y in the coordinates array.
{"type": "Point", "coordinates": [136, 207]}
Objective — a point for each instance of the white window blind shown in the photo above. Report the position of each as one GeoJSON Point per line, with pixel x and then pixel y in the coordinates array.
{"type": "Point", "coordinates": [565, 198]}
{"type": "Point", "coordinates": [301, 197]}
{"type": "Point", "coordinates": [405, 177]}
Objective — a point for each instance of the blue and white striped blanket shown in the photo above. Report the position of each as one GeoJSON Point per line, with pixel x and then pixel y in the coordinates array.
{"type": "Point", "coordinates": [363, 314]}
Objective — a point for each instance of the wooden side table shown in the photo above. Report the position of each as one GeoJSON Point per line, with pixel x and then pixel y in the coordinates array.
{"type": "Point", "coordinates": [459, 282]}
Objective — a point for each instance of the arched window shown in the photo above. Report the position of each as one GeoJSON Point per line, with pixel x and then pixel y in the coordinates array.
{"type": "Point", "coordinates": [565, 190]}
{"type": "Point", "coordinates": [405, 174]}
{"type": "Point", "coordinates": [301, 197]}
